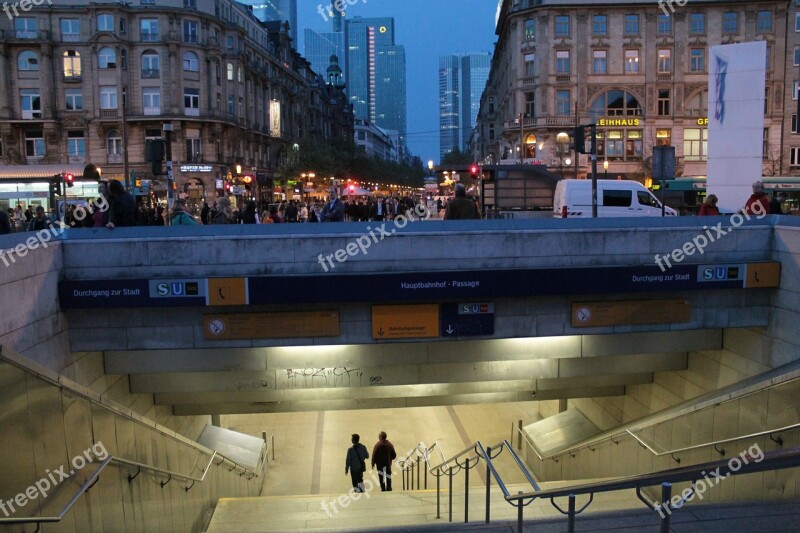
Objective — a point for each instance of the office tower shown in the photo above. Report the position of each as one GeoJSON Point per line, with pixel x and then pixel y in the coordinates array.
{"type": "Point", "coordinates": [376, 73]}
{"type": "Point", "coordinates": [461, 83]}
{"type": "Point", "coordinates": [271, 10]}
{"type": "Point", "coordinates": [320, 46]}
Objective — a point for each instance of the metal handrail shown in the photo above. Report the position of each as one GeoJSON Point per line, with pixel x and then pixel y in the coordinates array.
{"type": "Point", "coordinates": [527, 438]}
{"type": "Point", "coordinates": [18, 361]}
{"type": "Point", "coordinates": [714, 443]}
{"type": "Point", "coordinates": [721, 469]}
{"type": "Point", "coordinates": [88, 484]}
{"type": "Point", "coordinates": [470, 448]}
{"type": "Point", "coordinates": [776, 372]}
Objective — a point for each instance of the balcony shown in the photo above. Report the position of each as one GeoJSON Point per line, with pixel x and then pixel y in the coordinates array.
{"type": "Point", "coordinates": [562, 78]}
{"type": "Point", "coordinates": [190, 38]}
{"type": "Point", "coordinates": [70, 37]}
{"type": "Point", "coordinates": [529, 81]}
{"type": "Point", "coordinates": [664, 76]}
{"type": "Point", "coordinates": [76, 159]}
{"type": "Point", "coordinates": [26, 34]}
{"type": "Point", "coordinates": [108, 113]}
{"type": "Point", "coordinates": [114, 158]}
{"type": "Point", "coordinates": [72, 77]}
{"type": "Point", "coordinates": [151, 74]}
{"type": "Point", "coordinates": [152, 111]}
{"type": "Point", "coordinates": [149, 36]}
{"type": "Point", "coordinates": [34, 159]}
{"type": "Point", "coordinates": [540, 122]}
{"type": "Point", "coordinates": [191, 111]}
{"type": "Point", "coordinates": [28, 114]}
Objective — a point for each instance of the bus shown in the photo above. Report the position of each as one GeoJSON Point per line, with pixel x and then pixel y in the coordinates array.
{"type": "Point", "coordinates": [687, 194]}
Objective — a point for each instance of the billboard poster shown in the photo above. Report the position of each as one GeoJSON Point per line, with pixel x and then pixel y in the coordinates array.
{"type": "Point", "coordinates": [275, 118]}
{"type": "Point", "coordinates": [736, 80]}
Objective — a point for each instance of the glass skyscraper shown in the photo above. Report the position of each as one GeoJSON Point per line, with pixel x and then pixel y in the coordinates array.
{"type": "Point", "coordinates": [376, 73]}
{"type": "Point", "coordinates": [461, 83]}
{"type": "Point", "coordinates": [270, 10]}
{"type": "Point", "coordinates": [320, 46]}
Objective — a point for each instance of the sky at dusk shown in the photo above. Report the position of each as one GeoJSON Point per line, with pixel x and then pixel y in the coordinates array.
{"type": "Point", "coordinates": [428, 29]}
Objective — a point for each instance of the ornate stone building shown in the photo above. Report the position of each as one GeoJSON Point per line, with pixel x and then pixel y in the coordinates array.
{"type": "Point", "coordinates": [637, 70]}
{"type": "Point", "coordinates": [92, 81]}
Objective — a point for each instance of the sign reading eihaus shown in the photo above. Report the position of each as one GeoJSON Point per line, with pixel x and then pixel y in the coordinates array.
{"type": "Point", "coordinates": [604, 122]}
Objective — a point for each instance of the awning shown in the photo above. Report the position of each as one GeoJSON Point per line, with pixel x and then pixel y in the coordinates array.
{"type": "Point", "coordinates": [38, 172]}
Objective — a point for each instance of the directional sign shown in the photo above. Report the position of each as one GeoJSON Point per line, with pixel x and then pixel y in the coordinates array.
{"type": "Point", "coordinates": [271, 325]}
{"type": "Point", "coordinates": [405, 321]}
{"type": "Point", "coordinates": [627, 312]}
{"type": "Point", "coordinates": [467, 319]}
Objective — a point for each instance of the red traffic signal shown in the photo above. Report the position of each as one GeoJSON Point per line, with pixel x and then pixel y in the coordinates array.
{"type": "Point", "coordinates": [352, 188]}
{"type": "Point", "coordinates": [69, 179]}
{"type": "Point", "coordinates": [474, 170]}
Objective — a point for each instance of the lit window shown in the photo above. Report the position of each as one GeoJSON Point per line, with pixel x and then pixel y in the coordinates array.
{"type": "Point", "coordinates": [631, 61]}
{"type": "Point", "coordinates": [600, 62]}
{"type": "Point", "coordinates": [664, 61]}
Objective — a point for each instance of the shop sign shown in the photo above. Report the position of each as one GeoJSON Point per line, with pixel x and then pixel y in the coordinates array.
{"type": "Point", "coordinates": [605, 122]}
{"type": "Point", "coordinates": [196, 168]}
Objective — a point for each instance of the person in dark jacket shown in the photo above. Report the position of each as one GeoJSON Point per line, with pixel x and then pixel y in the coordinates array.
{"type": "Point", "coordinates": [355, 462]}
{"type": "Point", "coordinates": [461, 207]}
{"type": "Point", "coordinates": [122, 210]}
{"type": "Point", "coordinates": [204, 213]}
{"type": "Point", "coordinates": [382, 456]}
{"type": "Point", "coordinates": [333, 211]}
{"type": "Point", "coordinates": [5, 223]}
{"type": "Point", "coordinates": [223, 214]}
{"type": "Point", "coordinates": [291, 213]}
{"type": "Point", "coordinates": [250, 214]}
{"type": "Point", "coordinates": [39, 222]}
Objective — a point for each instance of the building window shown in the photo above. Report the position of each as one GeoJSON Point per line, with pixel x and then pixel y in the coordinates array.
{"type": "Point", "coordinates": [563, 105]}
{"type": "Point", "coordinates": [190, 62]}
{"type": "Point", "coordinates": [697, 23]}
{"type": "Point", "coordinates": [193, 150]}
{"type": "Point", "coordinates": [229, 42]}
{"type": "Point", "coordinates": [76, 144]}
{"type": "Point", "coordinates": [30, 103]}
{"type": "Point", "coordinates": [697, 105]}
{"type": "Point", "coordinates": [663, 137]}
{"type": "Point", "coordinates": [797, 56]}
{"type": "Point", "coordinates": [231, 106]}
{"type": "Point", "coordinates": [562, 25]}
{"type": "Point", "coordinates": [695, 144]}
{"type": "Point", "coordinates": [600, 62]}
{"type": "Point", "coordinates": [794, 124]}
{"type": "Point", "coordinates": [113, 143]}
{"type": "Point", "coordinates": [151, 66]}
{"type": "Point", "coordinates": [218, 72]}
{"type": "Point", "coordinates": [530, 65]}
{"type": "Point", "coordinates": [530, 105]}
{"type": "Point", "coordinates": [25, 27]}
{"type": "Point", "coordinates": [70, 30]}
{"type": "Point", "coordinates": [151, 100]}
{"type": "Point", "coordinates": [230, 71]}
{"type": "Point", "coordinates": [106, 58]}
{"type": "Point", "coordinates": [664, 103]}
{"type": "Point", "coordinates": [108, 97]}
{"type": "Point", "coordinates": [664, 24]}
{"type": "Point", "coordinates": [191, 4]}
{"type": "Point", "coordinates": [794, 90]}
{"type": "Point", "coordinates": [28, 61]}
{"type": "Point", "coordinates": [190, 31]}
{"type": "Point", "coordinates": [797, 22]}
{"type": "Point", "coordinates": [73, 99]}
{"type": "Point", "coordinates": [239, 74]}
{"type": "Point", "coordinates": [105, 22]}
{"type": "Point", "coordinates": [794, 157]}
{"type": "Point", "coordinates": [764, 24]}
{"type": "Point", "coordinates": [620, 145]}
{"type": "Point", "coordinates": [34, 143]}
{"type": "Point", "coordinates": [562, 62]}
{"type": "Point", "coordinates": [664, 61]}
{"type": "Point", "coordinates": [148, 30]}
{"type": "Point", "coordinates": [631, 25]}
{"type": "Point", "coordinates": [72, 65]}
{"type": "Point", "coordinates": [730, 22]}
{"type": "Point", "coordinates": [765, 145]}
{"type": "Point", "coordinates": [600, 25]}
{"type": "Point", "coordinates": [697, 60]}
{"type": "Point", "coordinates": [615, 104]}
{"type": "Point", "coordinates": [530, 29]}
{"type": "Point", "coordinates": [191, 101]}
{"type": "Point", "coordinates": [631, 61]}
{"type": "Point", "coordinates": [766, 101]}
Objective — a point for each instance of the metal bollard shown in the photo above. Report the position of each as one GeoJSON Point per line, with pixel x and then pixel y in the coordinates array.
{"type": "Point", "coordinates": [666, 496]}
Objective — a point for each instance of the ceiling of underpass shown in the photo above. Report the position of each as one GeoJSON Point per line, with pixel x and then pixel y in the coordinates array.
{"type": "Point", "coordinates": [408, 374]}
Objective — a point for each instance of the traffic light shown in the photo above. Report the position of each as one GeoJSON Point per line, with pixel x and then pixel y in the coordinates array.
{"type": "Point", "coordinates": [69, 179]}
{"type": "Point", "coordinates": [474, 170]}
{"type": "Point", "coordinates": [55, 186]}
{"type": "Point", "coordinates": [154, 154]}
{"type": "Point", "coordinates": [352, 188]}
{"type": "Point", "coordinates": [580, 140]}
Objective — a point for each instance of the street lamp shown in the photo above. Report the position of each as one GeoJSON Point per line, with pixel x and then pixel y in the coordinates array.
{"type": "Point", "coordinates": [605, 168]}
{"type": "Point", "coordinates": [562, 140]}
{"type": "Point", "coordinates": [430, 167]}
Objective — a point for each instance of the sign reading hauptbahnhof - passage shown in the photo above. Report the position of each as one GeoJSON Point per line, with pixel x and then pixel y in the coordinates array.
{"type": "Point", "coordinates": [458, 286]}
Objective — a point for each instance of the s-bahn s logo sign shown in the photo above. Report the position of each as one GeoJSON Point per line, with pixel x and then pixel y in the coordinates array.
{"type": "Point", "coordinates": [178, 288]}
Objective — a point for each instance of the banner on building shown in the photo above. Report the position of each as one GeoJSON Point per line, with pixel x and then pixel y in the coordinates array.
{"type": "Point", "coordinates": [275, 118]}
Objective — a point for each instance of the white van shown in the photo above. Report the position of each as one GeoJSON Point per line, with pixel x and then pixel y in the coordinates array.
{"type": "Point", "coordinates": [615, 198]}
